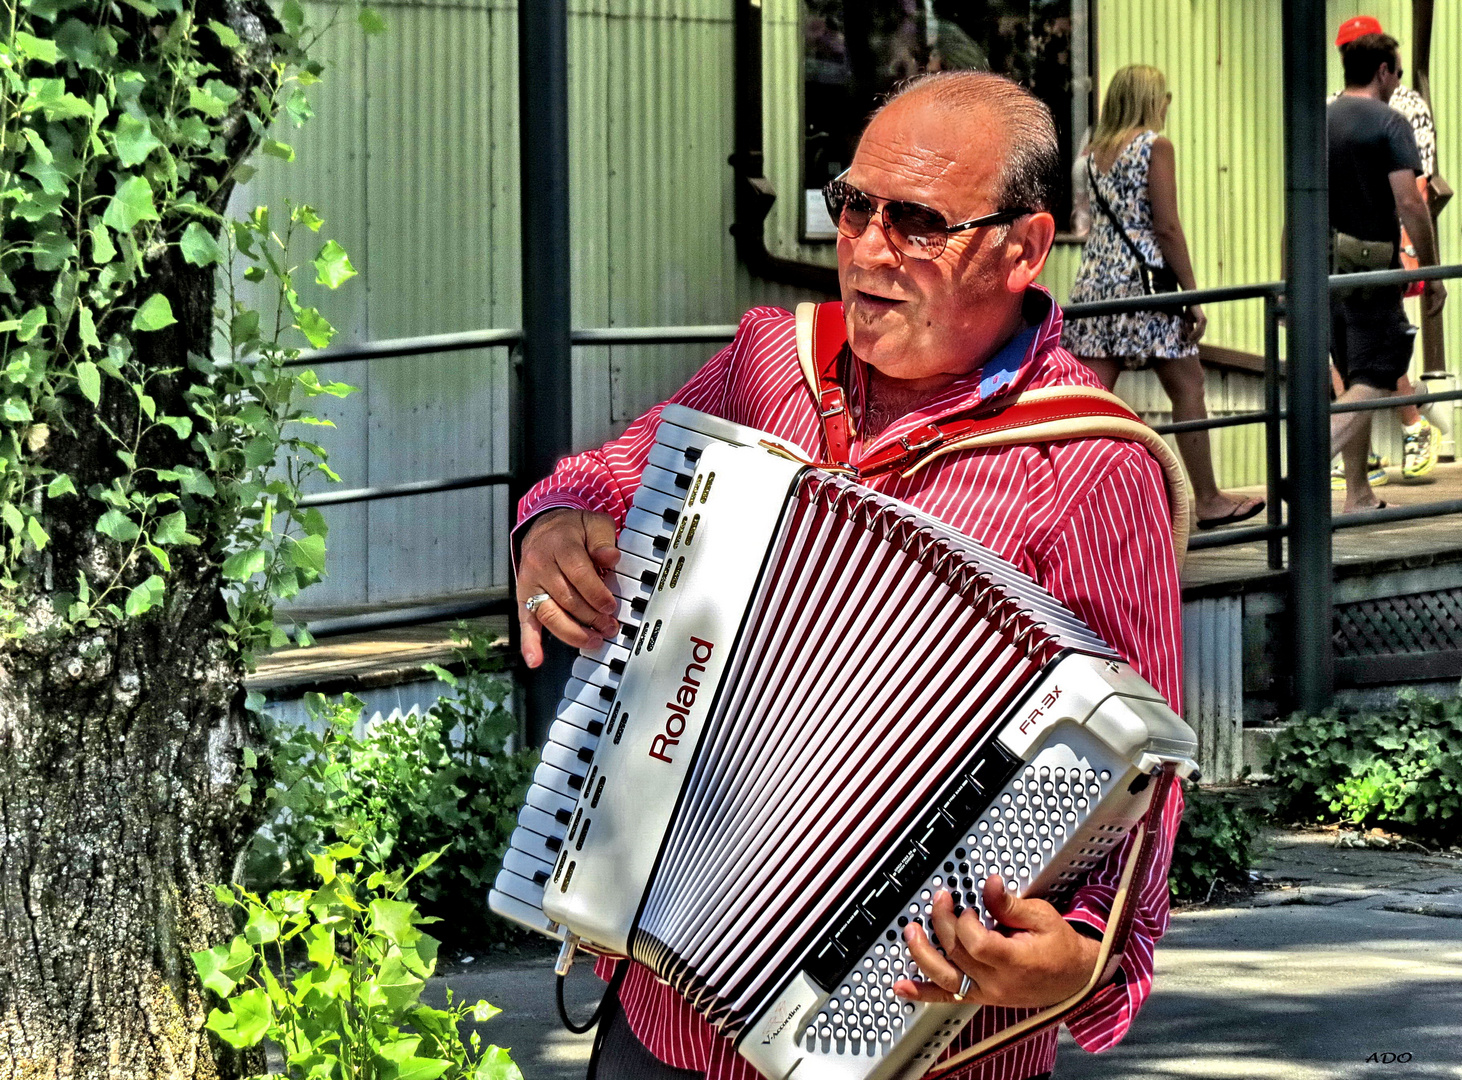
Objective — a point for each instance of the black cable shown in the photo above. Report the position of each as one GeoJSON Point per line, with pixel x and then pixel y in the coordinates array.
{"type": "Point", "coordinates": [609, 992]}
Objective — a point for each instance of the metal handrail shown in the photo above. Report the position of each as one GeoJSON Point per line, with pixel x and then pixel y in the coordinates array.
{"type": "Point", "coordinates": [1272, 292]}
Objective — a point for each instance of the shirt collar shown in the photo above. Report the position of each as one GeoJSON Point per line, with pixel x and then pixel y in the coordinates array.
{"type": "Point", "coordinates": [1005, 373]}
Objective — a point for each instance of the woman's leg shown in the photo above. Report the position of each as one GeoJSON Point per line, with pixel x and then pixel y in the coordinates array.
{"type": "Point", "coordinates": [1183, 381]}
{"type": "Point", "coordinates": [1106, 368]}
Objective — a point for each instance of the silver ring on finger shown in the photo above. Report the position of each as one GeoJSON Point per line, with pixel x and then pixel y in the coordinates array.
{"type": "Point", "coordinates": [965, 985]}
{"type": "Point", "coordinates": [534, 602]}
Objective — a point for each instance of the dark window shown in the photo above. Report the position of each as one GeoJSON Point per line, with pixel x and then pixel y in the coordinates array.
{"type": "Point", "coordinates": [856, 51]}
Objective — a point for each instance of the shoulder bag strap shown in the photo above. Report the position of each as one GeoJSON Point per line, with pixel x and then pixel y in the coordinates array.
{"type": "Point", "coordinates": [1106, 208]}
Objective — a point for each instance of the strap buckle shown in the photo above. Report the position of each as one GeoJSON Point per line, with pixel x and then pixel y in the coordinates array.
{"type": "Point", "coordinates": [922, 438]}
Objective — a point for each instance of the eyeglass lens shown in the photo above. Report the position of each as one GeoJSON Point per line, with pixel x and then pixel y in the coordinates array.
{"type": "Point", "coordinates": [915, 230]}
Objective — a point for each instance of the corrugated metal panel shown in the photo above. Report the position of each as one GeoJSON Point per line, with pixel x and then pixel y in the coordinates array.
{"type": "Point", "coordinates": [1213, 689]}
{"type": "Point", "coordinates": [412, 159]}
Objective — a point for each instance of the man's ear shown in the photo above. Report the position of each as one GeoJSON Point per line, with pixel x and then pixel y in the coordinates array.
{"type": "Point", "coordinates": [1026, 248]}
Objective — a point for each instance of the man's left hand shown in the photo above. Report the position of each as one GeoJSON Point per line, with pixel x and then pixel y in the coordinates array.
{"type": "Point", "coordinates": [1032, 959]}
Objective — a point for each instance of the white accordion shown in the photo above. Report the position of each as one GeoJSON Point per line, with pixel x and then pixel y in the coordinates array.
{"type": "Point", "coordinates": [824, 706]}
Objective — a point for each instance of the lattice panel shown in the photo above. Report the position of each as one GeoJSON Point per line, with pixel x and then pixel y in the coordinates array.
{"type": "Point", "coordinates": [1420, 623]}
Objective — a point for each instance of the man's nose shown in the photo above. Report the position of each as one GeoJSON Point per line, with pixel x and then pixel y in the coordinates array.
{"type": "Point", "coordinates": [873, 248]}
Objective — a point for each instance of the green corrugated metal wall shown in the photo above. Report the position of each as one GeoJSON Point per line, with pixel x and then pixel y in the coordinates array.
{"type": "Point", "coordinates": [412, 160]}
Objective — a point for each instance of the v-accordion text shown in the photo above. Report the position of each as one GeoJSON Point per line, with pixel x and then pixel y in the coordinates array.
{"type": "Point", "coordinates": [823, 706]}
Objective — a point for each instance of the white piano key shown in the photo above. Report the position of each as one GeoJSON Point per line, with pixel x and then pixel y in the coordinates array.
{"type": "Point", "coordinates": [651, 524]}
{"type": "Point", "coordinates": [670, 458]}
{"type": "Point", "coordinates": [563, 757]}
{"type": "Point", "coordinates": [550, 801]}
{"type": "Point", "coordinates": [535, 820]}
{"type": "Point", "coordinates": [536, 845]}
{"type": "Point", "coordinates": [632, 565]}
{"type": "Point", "coordinates": [526, 866]}
{"type": "Point", "coordinates": [586, 694]}
{"type": "Point", "coordinates": [591, 720]}
{"type": "Point", "coordinates": [650, 501]}
{"type": "Point", "coordinates": [573, 738]}
{"type": "Point", "coordinates": [641, 545]}
{"type": "Point", "coordinates": [530, 915]}
{"type": "Point", "coordinates": [596, 673]}
{"type": "Point", "coordinates": [607, 653]}
{"type": "Point", "coordinates": [670, 481]}
{"type": "Point", "coordinates": [555, 780]}
{"type": "Point", "coordinates": [519, 888]}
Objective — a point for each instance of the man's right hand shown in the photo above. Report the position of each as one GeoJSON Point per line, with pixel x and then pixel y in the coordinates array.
{"type": "Point", "coordinates": [1433, 297]}
{"type": "Point", "coordinates": [563, 555]}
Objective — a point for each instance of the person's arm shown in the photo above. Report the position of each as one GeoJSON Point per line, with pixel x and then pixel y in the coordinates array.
{"type": "Point", "coordinates": [567, 523]}
{"type": "Point", "coordinates": [1162, 192]}
{"type": "Point", "coordinates": [1112, 563]}
{"type": "Point", "coordinates": [1417, 221]}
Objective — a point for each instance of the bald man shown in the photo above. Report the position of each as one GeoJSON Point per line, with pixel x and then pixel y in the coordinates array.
{"type": "Point", "coordinates": [944, 223]}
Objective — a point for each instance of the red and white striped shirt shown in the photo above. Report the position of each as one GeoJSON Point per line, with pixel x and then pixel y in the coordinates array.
{"type": "Point", "coordinates": [1087, 518]}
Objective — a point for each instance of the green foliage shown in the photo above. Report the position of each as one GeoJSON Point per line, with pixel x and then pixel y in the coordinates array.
{"type": "Point", "coordinates": [123, 130]}
{"type": "Point", "coordinates": [442, 780]}
{"type": "Point", "coordinates": [1401, 767]}
{"type": "Point", "coordinates": [1216, 843]}
{"type": "Point", "coordinates": [352, 1010]}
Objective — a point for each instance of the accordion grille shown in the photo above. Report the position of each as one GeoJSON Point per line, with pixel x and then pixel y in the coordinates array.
{"type": "Point", "coordinates": [877, 652]}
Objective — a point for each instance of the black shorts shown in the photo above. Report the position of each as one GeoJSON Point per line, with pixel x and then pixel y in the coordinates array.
{"type": "Point", "coordinates": [1370, 339]}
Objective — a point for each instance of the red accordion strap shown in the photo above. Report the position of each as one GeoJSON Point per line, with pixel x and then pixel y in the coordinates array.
{"type": "Point", "coordinates": [1050, 414]}
{"type": "Point", "coordinates": [1113, 945]}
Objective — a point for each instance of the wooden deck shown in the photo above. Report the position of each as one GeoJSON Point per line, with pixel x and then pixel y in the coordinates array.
{"type": "Point", "coordinates": [1367, 549]}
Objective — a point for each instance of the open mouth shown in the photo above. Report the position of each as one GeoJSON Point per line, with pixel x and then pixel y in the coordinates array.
{"type": "Point", "coordinates": [876, 302]}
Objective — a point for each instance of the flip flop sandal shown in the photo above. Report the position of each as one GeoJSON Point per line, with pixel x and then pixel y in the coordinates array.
{"type": "Point", "coordinates": [1233, 518]}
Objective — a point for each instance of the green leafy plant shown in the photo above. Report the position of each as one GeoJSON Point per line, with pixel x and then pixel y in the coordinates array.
{"type": "Point", "coordinates": [1216, 843]}
{"type": "Point", "coordinates": [352, 1009]}
{"type": "Point", "coordinates": [124, 129]}
{"type": "Point", "coordinates": [1400, 767]}
{"type": "Point", "coordinates": [440, 780]}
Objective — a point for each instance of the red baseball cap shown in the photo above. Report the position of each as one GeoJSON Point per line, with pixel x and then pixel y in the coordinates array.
{"type": "Point", "coordinates": [1359, 26]}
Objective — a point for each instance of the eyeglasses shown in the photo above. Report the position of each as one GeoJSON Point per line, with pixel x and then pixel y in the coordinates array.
{"type": "Point", "coordinates": [912, 229]}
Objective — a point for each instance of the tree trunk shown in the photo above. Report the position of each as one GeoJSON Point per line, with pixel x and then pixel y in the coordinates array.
{"type": "Point", "coordinates": [122, 748]}
{"type": "Point", "coordinates": [120, 762]}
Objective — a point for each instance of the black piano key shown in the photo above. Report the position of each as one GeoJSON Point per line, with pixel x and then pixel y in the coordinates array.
{"type": "Point", "coordinates": [617, 666]}
{"type": "Point", "coordinates": [638, 605]}
{"type": "Point", "coordinates": [576, 782]}
{"type": "Point", "coordinates": [671, 516]}
{"type": "Point", "coordinates": [660, 545]}
{"type": "Point", "coordinates": [607, 693]}
{"type": "Point", "coordinates": [552, 843]}
{"type": "Point", "coordinates": [540, 877]}
{"type": "Point", "coordinates": [586, 755]}
{"type": "Point", "coordinates": [595, 727]}
{"type": "Point", "coordinates": [682, 480]}
{"type": "Point", "coordinates": [563, 817]}
{"type": "Point", "coordinates": [692, 454]}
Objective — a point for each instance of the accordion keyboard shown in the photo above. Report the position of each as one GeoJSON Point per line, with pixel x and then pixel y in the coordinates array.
{"type": "Point", "coordinates": [549, 819]}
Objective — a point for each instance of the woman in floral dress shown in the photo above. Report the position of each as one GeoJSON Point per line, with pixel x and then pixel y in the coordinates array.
{"type": "Point", "coordinates": [1132, 166]}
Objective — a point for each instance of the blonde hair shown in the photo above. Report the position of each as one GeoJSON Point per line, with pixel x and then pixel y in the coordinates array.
{"type": "Point", "coordinates": [1134, 102]}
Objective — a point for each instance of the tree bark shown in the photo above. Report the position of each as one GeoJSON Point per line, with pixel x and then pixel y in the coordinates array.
{"type": "Point", "coordinates": [121, 748]}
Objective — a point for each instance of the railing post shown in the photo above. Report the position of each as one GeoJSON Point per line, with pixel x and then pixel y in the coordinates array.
{"type": "Point", "coordinates": [543, 155]}
{"type": "Point", "coordinates": [1307, 216]}
{"type": "Point", "coordinates": [1273, 459]}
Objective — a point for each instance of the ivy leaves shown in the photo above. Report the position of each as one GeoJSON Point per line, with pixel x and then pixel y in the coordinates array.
{"type": "Point", "coordinates": [119, 136]}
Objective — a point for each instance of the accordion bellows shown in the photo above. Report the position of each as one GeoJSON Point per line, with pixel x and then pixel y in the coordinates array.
{"type": "Point", "coordinates": [824, 705]}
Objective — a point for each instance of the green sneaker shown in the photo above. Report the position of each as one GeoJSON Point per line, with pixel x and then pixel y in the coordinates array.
{"type": "Point", "coordinates": [1422, 444]}
{"type": "Point", "coordinates": [1375, 473]}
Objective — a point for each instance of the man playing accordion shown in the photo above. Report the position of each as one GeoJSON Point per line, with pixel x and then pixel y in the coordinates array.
{"type": "Point", "coordinates": [944, 223]}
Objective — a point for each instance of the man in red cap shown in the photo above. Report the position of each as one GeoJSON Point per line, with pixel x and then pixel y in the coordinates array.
{"type": "Point", "coordinates": [1374, 164]}
{"type": "Point", "coordinates": [1421, 441]}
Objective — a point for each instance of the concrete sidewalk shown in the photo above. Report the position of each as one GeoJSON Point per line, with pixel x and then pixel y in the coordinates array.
{"type": "Point", "coordinates": [1353, 952]}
